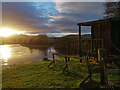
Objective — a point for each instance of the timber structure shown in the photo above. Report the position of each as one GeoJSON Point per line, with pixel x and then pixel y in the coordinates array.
{"type": "Point", "coordinates": [106, 29]}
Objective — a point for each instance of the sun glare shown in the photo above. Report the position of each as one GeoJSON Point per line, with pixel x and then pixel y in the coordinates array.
{"type": "Point", "coordinates": [5, 53]}
{"type": "Point", "coordinates": [5, 32]}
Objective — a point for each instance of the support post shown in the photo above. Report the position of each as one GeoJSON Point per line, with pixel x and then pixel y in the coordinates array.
{"type": "Point", "coordinates": [102, 78]}
{"type": "Point", "coordinates": [80, 41]}
{"type": "Point", "coordinates": [65, 65]}
{"type": "Point", "coordinates": [53, 61]}
{"type": "Point", "coordinates": [102, 72]}
{"type": "Point", "coordinates": [87, 60]}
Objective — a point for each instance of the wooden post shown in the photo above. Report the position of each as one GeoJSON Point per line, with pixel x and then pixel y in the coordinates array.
{"type": "Point", "coordinates": [102, 78]}
{"type": "Point", "coordinates": [87, 60]}
{"type": "Point", "coordinates": [52, 61]}
{"type": "Point", "coordinates": [102, 44]}
{"type": "Point", "coordinates": [68, 58]}
{"type": "Point", "coordinates": [102, 73]}
{"type": "Point", "coordinates": [65, 65]}
{"type": "Point", "coordinates": [98, 54]}
{"type": "Point", "coordinates": [69, 48]}
{"type": "Point", "coordinates": [105, 75]}
{"type": "Point", "coordinates": [80, 41]}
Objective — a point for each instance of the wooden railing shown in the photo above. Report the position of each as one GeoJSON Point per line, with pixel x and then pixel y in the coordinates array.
{"type": "Point", "coordinates": [88, 43]}
{"type": "Point", "coordinates": [77, 47]}
{"type": "Point", "coordinates": [67, 59]}
{"type": "Point", "coordinates": [109, 82]}
{"type": "Point", "coordinates": [104, 71]}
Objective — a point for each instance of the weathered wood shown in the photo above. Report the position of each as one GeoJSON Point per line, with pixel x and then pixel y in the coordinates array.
{"type": "Point", "coordinates": [80, 41]}
{"type": "Point", "coordinates": [115, 81]}
{"type": "Point", "coordinates": [66, 66]}
{"type": "Point", "coordinates": [88, 67]}
{"type": "Point", "coordinates": [102, 44]}
{"type": "Point", "coordinates": [105, 75]}
{"type": "Point", "coordinates": [69, 56]}
{"type": "Point", "coordinates": [102, 77]}
{"type": "Point", "coordinates": [54, 59]}
{"type": "Point", "coordinates": [98, 55]}
{"type": "Point", "coordinates": [82, 68]}
{"type": "Point", "coordinates": [113, 71]}
{"type": "Point", "coordinates": [81, 83]}
{"type": "Point", "coordinates": [50, 63]}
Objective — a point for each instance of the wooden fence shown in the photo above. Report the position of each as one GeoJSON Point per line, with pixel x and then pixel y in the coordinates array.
{"type": "Point", "coordinates": [101, 59]}
{"type": "Point", "coordinates": [80, 47]}
{"type": "Point", "coordinates": [67, 59]}
{"type": "Point", "coordinates": [109, 82]}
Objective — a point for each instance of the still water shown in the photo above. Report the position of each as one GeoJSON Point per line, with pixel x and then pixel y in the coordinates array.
{"type": "Point", "coordinates": [16, 54]}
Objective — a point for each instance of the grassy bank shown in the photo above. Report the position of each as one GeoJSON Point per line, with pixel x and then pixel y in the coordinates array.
{"type": "Point", "coordinates": [37, 75]}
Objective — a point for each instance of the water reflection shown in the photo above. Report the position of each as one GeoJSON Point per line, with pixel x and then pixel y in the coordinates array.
{"type": "Point", "coordinates": [5, 53]}
{"type": "Point", "coordinates": [16, 54]}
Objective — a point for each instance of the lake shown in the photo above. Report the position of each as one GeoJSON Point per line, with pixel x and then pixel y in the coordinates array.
{"type": "Point", "coordinates": [16, 53]}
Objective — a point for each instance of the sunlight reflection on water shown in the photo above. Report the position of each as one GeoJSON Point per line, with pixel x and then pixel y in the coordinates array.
{"type": "Point", "coordinates": [5, 53]}
{"type": "Point", "coordinates": [16, 54]}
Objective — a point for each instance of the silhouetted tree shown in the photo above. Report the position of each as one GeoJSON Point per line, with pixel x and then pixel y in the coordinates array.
{"type": "Point", "coordinates": [40, 39]}
{"type": "Point", "coordinates": [112, 9]}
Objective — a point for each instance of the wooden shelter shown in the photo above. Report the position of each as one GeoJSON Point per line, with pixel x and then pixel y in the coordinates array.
{"type": "Point", "coordinates": [106, 29]}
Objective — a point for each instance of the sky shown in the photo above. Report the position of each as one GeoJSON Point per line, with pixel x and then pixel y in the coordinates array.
{"type": "Point", "coordinates": [54, 19]}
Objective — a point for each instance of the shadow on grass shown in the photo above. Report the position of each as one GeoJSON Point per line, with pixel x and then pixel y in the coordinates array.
{"type": "Point", "coordinates": [66, 73]}
{"type": "Point", "coordinates": [90, 84]}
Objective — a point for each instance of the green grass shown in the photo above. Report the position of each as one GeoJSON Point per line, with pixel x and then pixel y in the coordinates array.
{"type": "Point", "coordinates": [37, 75]}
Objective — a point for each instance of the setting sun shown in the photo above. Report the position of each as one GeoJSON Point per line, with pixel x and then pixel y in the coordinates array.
{"type": "Point", "coordinates": [5, 32]}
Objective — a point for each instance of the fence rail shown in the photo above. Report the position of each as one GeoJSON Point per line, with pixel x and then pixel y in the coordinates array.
{"type": "Point", "coordinates": [102, 62]}
{"type": "Point", "coordinates": [67, 58]}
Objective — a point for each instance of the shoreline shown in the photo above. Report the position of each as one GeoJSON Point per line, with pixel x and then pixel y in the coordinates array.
{"type": "Point", "coordinates": [13, 65]}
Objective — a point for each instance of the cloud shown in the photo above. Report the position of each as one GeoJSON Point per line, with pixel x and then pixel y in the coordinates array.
{"type": "Point", "coordinates": [58, 18]}
{"type": "Point", "coordinates": [75, 12]}
{"type": "Point", "coordinates": [26, 16]}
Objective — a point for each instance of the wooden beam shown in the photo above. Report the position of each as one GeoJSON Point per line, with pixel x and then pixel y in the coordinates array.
{"type": "Point", "coordinates": [102, 72]}
{"type": "Point", "coordinates": [85, 80]}
{"type": "Point", "coordinates": [80, 40]}
{"type": "Point", "coordinates": [69, 56]}
{"type": "Point", "coordinates": [81, 68]}
{"type": "Point", "coordinates": [50, 63]}
{"type": "Point", "coordinates": [113, 70]}
{"type": "Point", "coordinates": [79, 32]}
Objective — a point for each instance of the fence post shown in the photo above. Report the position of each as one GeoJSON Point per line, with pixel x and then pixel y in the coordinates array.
{"type": "Point", "coordinates": [68, 58]}
{"type": "Point", "coordinates": [102, 73]}
{"type": "Point", "coordinates": [54, 59]}
{"type": "Point", "coordinates": [65, 65]}
{"type": "Point", "coordinates": [105, 75]}
{"type": "Point", "coordinates": [98, 55]}
{"type": "Point", "coordinates": [87, 61]}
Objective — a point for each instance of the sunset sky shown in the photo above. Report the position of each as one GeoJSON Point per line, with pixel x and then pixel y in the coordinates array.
{"type": "Point", "coordinates": [51, 18]}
